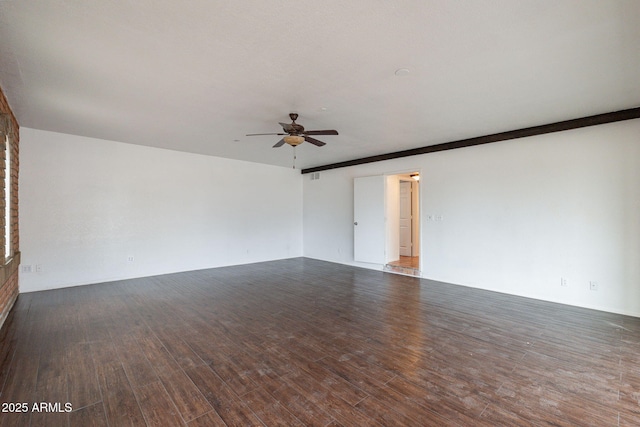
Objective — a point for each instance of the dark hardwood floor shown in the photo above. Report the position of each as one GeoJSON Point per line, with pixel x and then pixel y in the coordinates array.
{"type": "Point", "coordinates": [305, 342]}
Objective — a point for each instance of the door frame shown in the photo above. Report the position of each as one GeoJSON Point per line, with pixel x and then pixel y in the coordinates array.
{"type": "Point", "coordinates": [418, 222]}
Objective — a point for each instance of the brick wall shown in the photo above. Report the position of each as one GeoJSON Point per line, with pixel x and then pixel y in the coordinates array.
{"type": "Point", "coordinates": [9, 269]}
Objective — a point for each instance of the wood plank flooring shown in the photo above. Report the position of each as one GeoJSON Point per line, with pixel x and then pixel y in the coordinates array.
{"type": "Point", "coordinates": [405, 265]}
{"type": "Point", "coordinates": [407, 261]}
{"type": "Point", "coordinates": [304, 342]}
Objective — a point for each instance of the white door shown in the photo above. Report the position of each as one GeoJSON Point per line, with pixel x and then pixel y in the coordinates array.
{"type": "Point", "coordinates": [405, 218]}
{"type": "Point", "coordinates": [368, 219]}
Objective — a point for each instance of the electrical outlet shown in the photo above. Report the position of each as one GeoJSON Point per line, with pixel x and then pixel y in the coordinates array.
{"type": "Point", "coordinates": [593, 286]}
{"type": "Point", "coordinates": [38, 268]}
{"type": "Point", "coordinates": [563, 282]}
{"type": "Point", "coordinates": [27, 268]}
{"type": "Point", "coordinates": [130, 259]}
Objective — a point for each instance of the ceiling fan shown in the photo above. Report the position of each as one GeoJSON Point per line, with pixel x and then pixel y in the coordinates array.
{"type": "Point", "coordinates": [296, 135]}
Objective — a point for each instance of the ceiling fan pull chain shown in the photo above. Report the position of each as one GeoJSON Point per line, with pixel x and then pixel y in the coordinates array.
{"type": "Point", "coordinates": [294, 157]}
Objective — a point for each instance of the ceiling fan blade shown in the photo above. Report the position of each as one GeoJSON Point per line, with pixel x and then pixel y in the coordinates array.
{"type": "Point", "coordinates": [279, 143]}
{"type": "Point", "coordinates": [287, 127]}
{"type": "Point", "coordinates": [321, 132]}
{"type": "Point", "coordinates": [314, 141]}
{"type": "Point", "coordinates": [257, 134]}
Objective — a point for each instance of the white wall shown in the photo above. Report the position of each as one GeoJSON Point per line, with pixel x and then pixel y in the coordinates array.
{"type": "Point", "coordinates": [516, 215]}
{"type": "Point", "coordinates": [86, 205]}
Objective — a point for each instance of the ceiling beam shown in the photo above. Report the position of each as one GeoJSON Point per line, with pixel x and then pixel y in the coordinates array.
{"type": "Point", "coordinates": [598, 119]}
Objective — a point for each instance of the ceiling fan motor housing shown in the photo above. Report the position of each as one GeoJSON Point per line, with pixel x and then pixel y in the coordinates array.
{"type": "Point", "coordinates": [297, 129]}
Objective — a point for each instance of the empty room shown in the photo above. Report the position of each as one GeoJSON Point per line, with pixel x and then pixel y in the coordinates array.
{"type": "Point", "coordinates": [258, 213]}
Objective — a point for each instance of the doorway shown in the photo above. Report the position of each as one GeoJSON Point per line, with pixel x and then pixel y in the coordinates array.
{"type": "Point", "coordinates": [387, 222]}
{"type": "Point", "coordinates": [406, 259]}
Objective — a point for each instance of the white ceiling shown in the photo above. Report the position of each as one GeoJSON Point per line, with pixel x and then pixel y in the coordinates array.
{"type": "Point", "coordinates": [198, 75]}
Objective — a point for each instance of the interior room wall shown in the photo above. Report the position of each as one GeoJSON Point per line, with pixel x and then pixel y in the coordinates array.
{"type": "Point", "coordinates": [541, 217]}
{"type": "Point", "coordinates": [95, 210]}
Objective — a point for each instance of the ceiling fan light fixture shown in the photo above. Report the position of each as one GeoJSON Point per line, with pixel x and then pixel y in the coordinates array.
{"type": "Point", "coordinates": [293, 140]}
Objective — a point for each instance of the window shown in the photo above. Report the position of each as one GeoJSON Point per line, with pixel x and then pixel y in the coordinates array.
{"type": "Point", "coordinates": [5, 141]}
{"type": "Point", "coordinates": [7, 198]}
